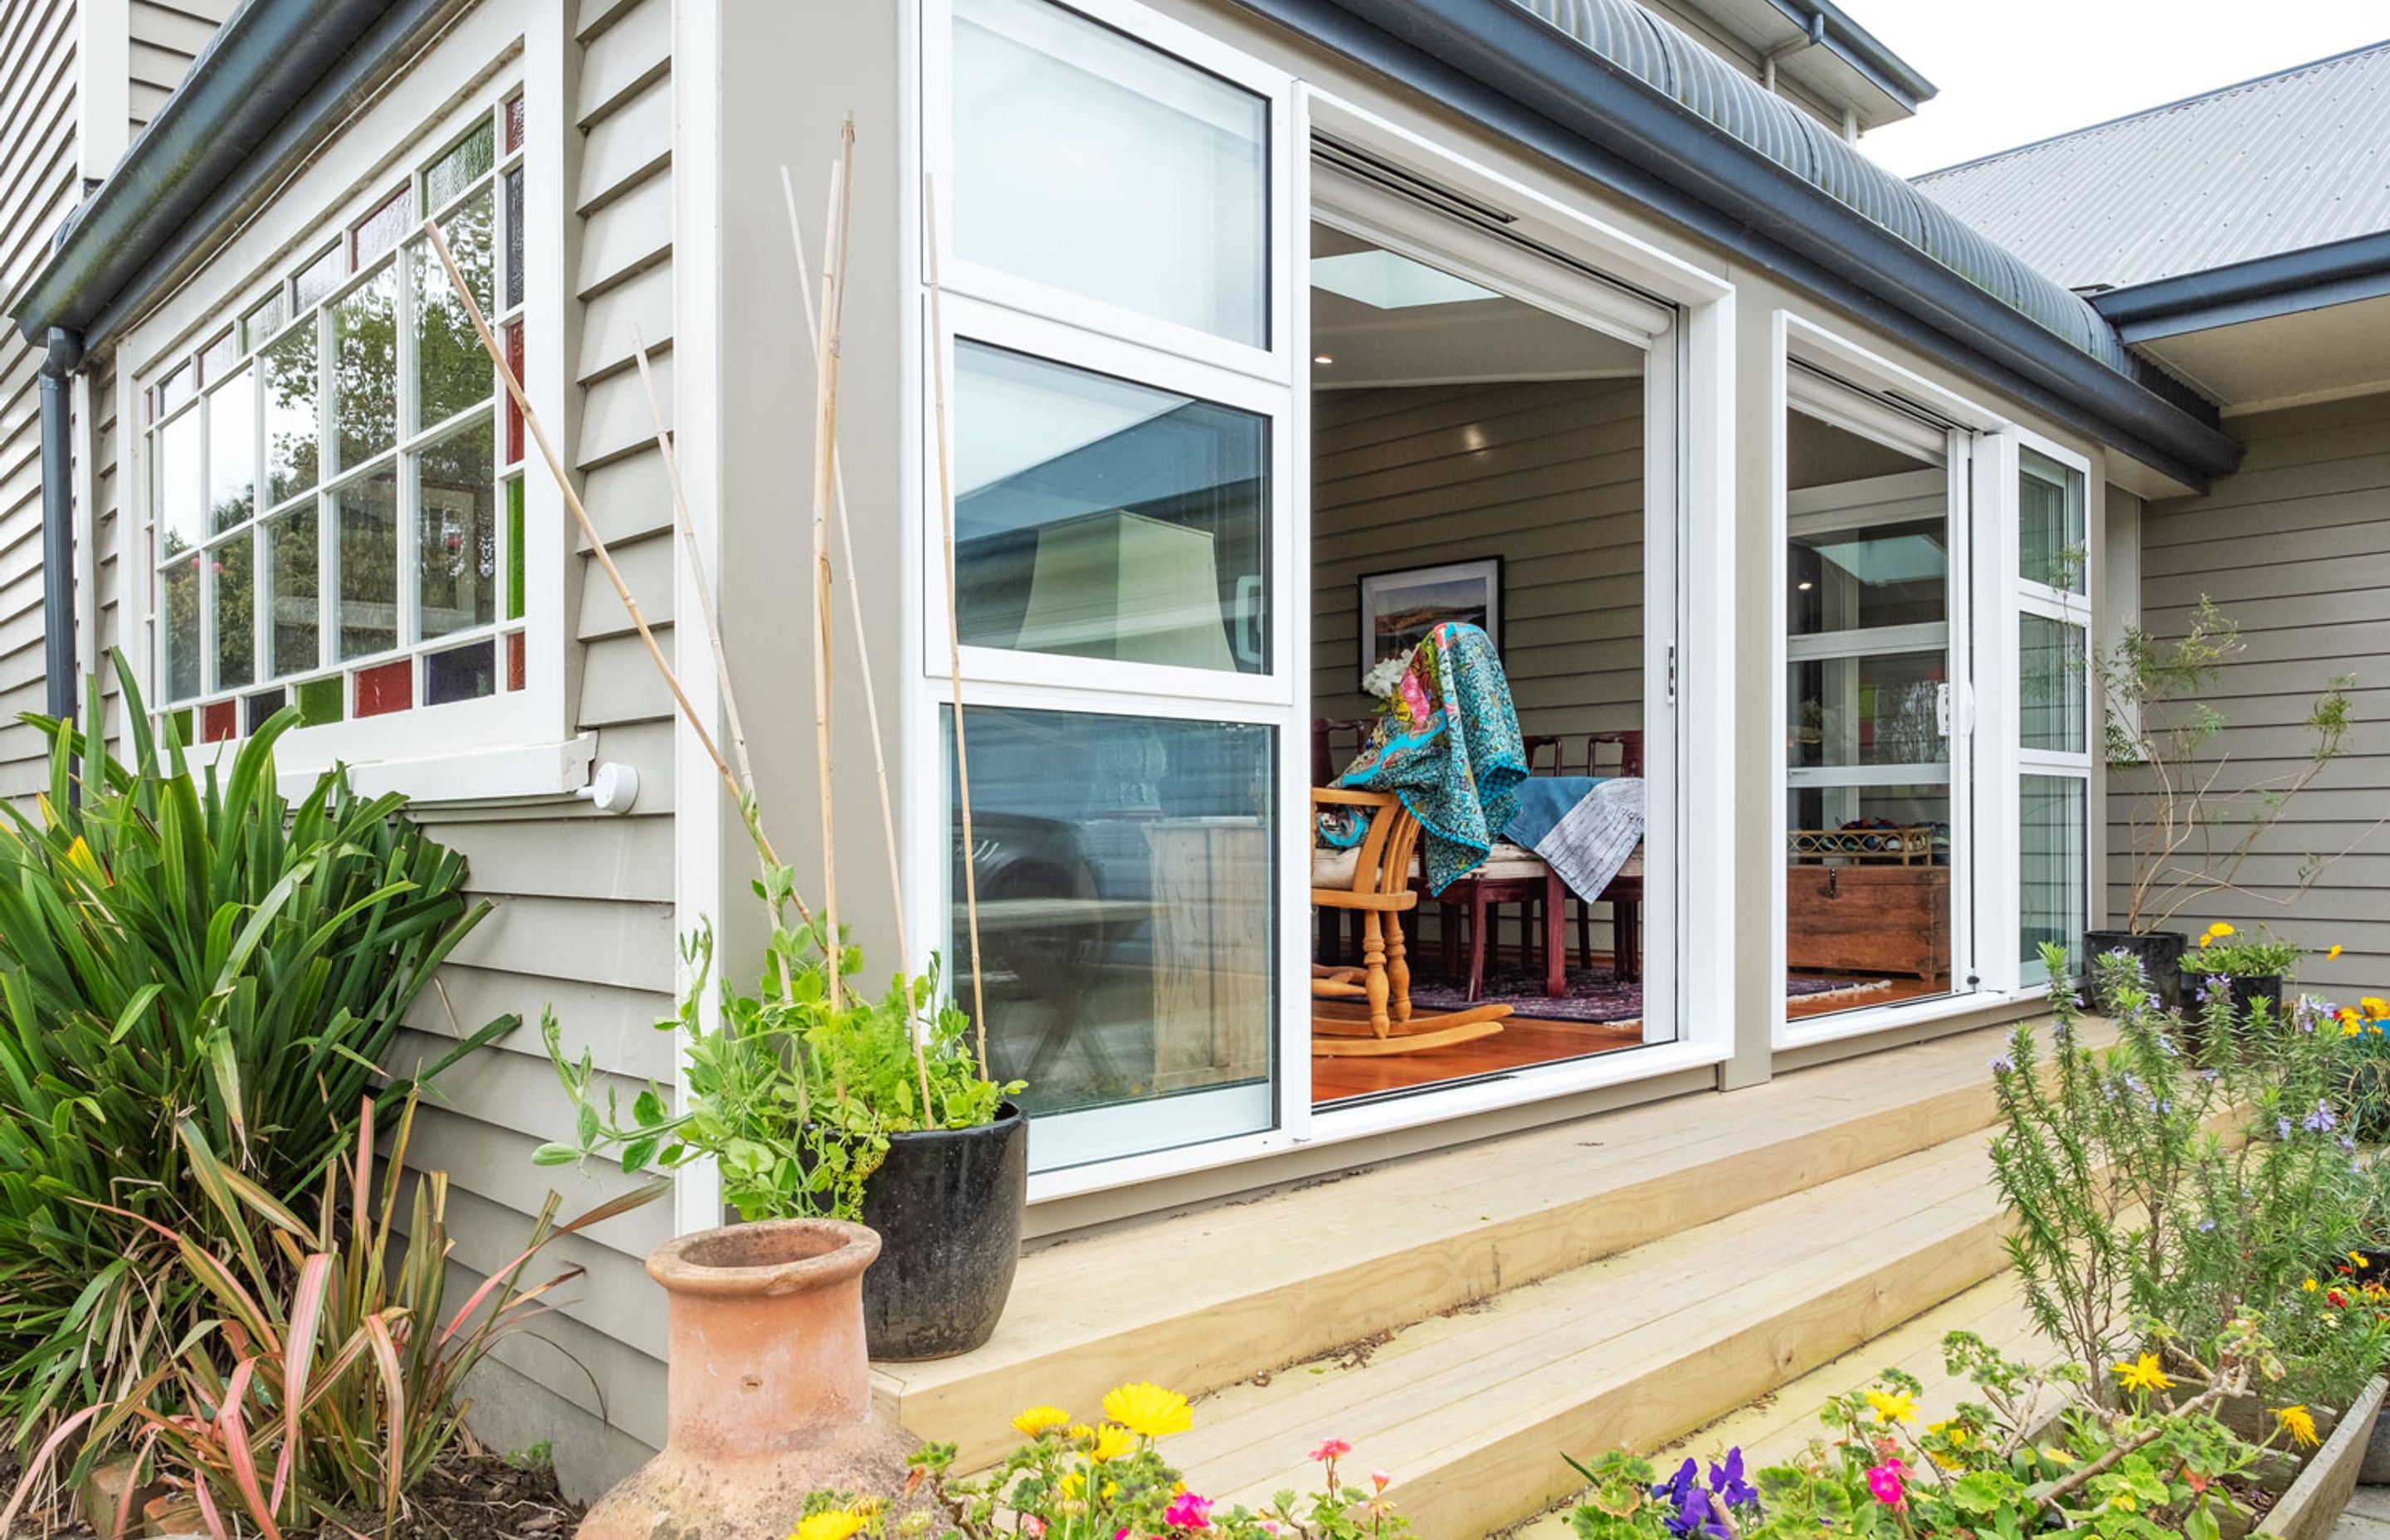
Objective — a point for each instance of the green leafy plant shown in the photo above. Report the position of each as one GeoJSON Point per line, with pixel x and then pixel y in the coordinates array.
{"type": "Point", "coordinates": [324, 1380]}
{"type": "Point", "coordinates": [794, 1097]}
{"type": "Point", "coordinates": [2224, 953]}
{"type": "Point", "coordinates": [184, 947]}
{"type": "Point", "coordinates": [2193, 827]}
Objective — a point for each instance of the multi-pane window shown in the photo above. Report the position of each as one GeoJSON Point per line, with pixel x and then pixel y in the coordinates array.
{"type": "Point", "coordinates": [2053, 709]}
{"type": "Point", "coordinates": [336, 478]}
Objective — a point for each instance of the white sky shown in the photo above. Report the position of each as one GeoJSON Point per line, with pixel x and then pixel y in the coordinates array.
{"type": "Point", "coordinates": [2024, 70]}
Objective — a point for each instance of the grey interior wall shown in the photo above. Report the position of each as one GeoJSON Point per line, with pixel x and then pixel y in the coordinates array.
{"type": "Point", "coordinates": [2295, 547]}
{"type": "Point", "coordinates": [1547, 475]}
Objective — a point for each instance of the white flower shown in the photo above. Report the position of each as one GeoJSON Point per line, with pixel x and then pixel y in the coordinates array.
{"type": "Point", "coordinates": [1387, 677]}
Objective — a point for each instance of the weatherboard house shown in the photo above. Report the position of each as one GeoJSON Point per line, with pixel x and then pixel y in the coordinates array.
{"type": "Point", "coordinates": [1790, 496]}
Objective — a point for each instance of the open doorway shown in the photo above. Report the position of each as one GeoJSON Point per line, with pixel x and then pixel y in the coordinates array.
{"type": "Point", "coordinates": [1480, 461]}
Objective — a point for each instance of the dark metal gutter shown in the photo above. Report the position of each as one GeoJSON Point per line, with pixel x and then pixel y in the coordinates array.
{"type": "Point", "coordinates": [276, 76]}
{"type": "Point", "coordinates": [1858, 47]}
{"type": "Point", "coordinates": [2336, 273]}
{"type": "Point", "coordinates": [58, 667]}
{"type": "Point", "coordinates": [1526, 79]}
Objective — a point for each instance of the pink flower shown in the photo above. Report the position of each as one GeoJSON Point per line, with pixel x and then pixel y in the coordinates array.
{"type": "Point", "coordinates": [1332, 1449]}
{"type": "Point", "coordinates": [1189, 1511]}
{"type": "Point", "coordinates": [1032, 1525]}
{"type": "Point", "coordinates": [1884, 1482]}
{"type": "Point", "coordinates": [1381, 1479]}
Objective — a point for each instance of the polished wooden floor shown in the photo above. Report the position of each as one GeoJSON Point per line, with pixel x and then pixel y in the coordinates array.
{"type": "Point", "coordinates": [1528, 1040]}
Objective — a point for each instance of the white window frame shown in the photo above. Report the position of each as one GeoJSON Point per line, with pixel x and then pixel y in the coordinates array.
{"type": "Point", "coordinates": [2004, 759]}
{"type": "Point", "coordinates": [510, 744]}
{"type": "Point", "coordinates": [1697, 375]}
{"type": "Point", "coordinates": [1979, 693]}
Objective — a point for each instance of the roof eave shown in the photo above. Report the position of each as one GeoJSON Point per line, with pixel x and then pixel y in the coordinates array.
{"type": "Point", "coordinates": [1859, 48]}
{"type": "Point", "coordinates": [1508, 68]}
{"type": "Point", "coordinates": [275, 77]}
{"type": "Point", "coordinates": [2338, 272]}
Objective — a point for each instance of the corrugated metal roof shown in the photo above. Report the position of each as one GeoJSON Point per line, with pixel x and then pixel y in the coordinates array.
{"type": "Point", "coordinates": [2276, 164]}
{"type": "Point", "coordinates": [1632, 39]}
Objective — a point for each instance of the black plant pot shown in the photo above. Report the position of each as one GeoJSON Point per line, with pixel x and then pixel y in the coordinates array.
{"type": "Point", "coordinates": [2158, 952]}
{"type": "Point", "coordinates": [2247, 991]}
{"type": "Point", "coordinates": [947, 1204]}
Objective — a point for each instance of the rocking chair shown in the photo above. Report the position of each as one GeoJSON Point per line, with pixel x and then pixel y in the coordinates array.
{"type": "Point", "coordinates": [1366, 1010]}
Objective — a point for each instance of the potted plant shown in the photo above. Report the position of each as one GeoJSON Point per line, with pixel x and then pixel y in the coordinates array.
{"type": "Point", "coordinates": [2252, 968]}
{"type": "Point", "coordinates": [2191, 827]}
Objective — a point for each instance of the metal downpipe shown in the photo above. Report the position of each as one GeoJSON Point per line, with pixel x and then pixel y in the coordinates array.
{"type": "Point", "coordinates": [57, 520]}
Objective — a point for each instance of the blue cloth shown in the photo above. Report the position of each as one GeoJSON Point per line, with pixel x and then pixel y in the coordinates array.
{"type": "Point", "coordinates": [1447, 746]}
{"type": "Point", "coordinates": [1544, 801]}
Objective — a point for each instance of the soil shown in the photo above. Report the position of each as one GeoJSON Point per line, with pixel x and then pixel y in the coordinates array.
{"type": "Point", "coordinates": [464, 1497]}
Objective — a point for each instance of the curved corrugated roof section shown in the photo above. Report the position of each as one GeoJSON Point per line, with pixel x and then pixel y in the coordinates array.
{"type": "Point", "coordinates": [1634, 40]}
{"type": "Point", "coordinates": [2288, 161]}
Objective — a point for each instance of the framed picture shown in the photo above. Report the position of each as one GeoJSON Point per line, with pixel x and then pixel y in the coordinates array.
{"type": "Point", "coordinates": [1399, 608]}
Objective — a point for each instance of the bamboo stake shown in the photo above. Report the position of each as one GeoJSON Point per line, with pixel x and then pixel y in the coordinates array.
{"type": "Point", "coordinates": [863, 656]}
{"type": "Point", "coordinates": [599, 549]}
{"type": "Point", "coordinates": [954, 624]}
{"type": "Point", "coordinates": [833, 306]}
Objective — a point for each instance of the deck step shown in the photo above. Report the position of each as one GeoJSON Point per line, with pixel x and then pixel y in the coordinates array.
{"type": "Point", "coordinates": [1209, 1299]}
{"type": "Point", "coordinates": [1781, 1423]}
{"type": "Point", "coordinates": [1471, 1410]}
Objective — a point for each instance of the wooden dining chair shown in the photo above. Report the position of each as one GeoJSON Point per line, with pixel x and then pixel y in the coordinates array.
{"type": "Point", "coordinates": [1625, 893]}
{"type": "Point", "coordinates": [1366, 1010]}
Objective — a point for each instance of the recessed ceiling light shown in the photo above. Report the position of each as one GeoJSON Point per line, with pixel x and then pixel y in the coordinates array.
{"type": "Point", "coordinates": [1804, 587]}
{"type": "Point", "coordinates": [1321, 358]}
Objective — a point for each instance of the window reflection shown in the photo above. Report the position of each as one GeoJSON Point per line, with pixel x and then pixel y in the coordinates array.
{"type": "Point", "coordinates": [451, 371]}
{"type": "Point", "coordinates": [232, 566]}
{"type": "Point", "coordinates": [290, 404]}
{"type": "Point", "coordinates": [457, 530]}
{"type": "Point", "coordinates": [294, 630]}
{"type": "Point", "coordinates": [1125, 903]}
{"type": "Point", "coordinates": [364, 369]}
{"type": "Point", "coordinates": [367, 516]}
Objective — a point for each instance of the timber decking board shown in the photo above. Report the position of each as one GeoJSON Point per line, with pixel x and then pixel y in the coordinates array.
{"type": "Point", "coordinates": [1204, 1300]}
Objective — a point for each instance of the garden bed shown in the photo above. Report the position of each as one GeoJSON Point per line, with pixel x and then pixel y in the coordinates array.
{"type": "Point", "coordinates": [2313, 1503]}
{"type": "Point", "coordinates": [463, 1497]}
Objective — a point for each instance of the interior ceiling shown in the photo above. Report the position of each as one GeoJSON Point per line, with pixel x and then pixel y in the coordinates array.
{"type": "Point", "coordinates": [2334, 349]}
{"type": "Point", "coordinates": [1470, 341]}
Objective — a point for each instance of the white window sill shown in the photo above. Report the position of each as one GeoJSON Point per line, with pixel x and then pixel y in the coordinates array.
{"type": "Point", "coordinates": [516, 771]}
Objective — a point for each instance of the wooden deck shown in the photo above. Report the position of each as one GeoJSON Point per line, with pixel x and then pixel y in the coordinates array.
{"type": "Point", "coordinates": [1463, 1317]}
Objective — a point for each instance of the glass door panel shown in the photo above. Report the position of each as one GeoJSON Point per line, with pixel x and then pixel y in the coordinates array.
{"type": "Point", "coordinates": [1869, 721]}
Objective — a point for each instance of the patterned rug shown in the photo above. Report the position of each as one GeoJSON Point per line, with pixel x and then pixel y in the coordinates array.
{"type": "Point", "coordinates": [1594, 995]}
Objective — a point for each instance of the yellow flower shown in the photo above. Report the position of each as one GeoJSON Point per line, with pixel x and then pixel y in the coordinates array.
{"type": "Point", "coordinates": [2373, 1004]}
{"type": "Point", "coordinates": [2220, 929]}
{"type": "Point", "coordinates": [2207, 941]}
{"type": "Point", "coordinates": [2144, 1374]}
{"type": "Point", "coordinates": [836, 1524]}
{"type": "Point", "coordinates": [1897, 1406]}
{"type": "Point", "coordinates": [2299, 1423]}
{"type": "Point", "coordinates": [2310, 1285]}
{"type": "Point", "coordinates": [1072, 1483]}
{"type": "Point", "coordinates": [1955, 1437]}
{"type": "Point", "coordinates": [1040, 1420]}
{"type": "Point", "coordinates": [2330, 952]}
{"type": "Point", "coordinates": [2056, 1455]}
{"type": "Point", "coordinates": [1080, 1433]}
{"type": "Point", "coordinates": [1148, 1410]}
{"type": "Point", "coordinates": [2124, 1500]}
{"type": "Point", "coordinates": [1110, 1443]}
{"type": "Point", "coordinates": [2358, 1259]}
{"type": "Point", "coordinates": [2348, 1027]}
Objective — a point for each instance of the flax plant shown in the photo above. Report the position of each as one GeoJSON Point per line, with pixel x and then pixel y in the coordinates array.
{"type": "Point", "coordinates": [179, 947]}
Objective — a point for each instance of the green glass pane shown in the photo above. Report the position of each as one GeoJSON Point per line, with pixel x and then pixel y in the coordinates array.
{"type": "Point", "coordinates": [515, 549]}
{"type": "Point", "coordinates": [471, 157]}
{"type": "Point", "coordinates": [320, 700]}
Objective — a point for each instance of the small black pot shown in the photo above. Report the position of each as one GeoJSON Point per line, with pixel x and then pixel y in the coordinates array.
{"type": "Point", "coordinates": [947, 1204]}
{"type": "Point", "coordinates": [2247, 991]}
{"type": "Point", "coordinates": [2158, 952]}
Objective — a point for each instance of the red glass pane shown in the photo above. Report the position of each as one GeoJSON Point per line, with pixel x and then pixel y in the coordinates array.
{"type": "Point", "coordinates": [514, 412]}
{"type": "Point", "coordinates": [385, 687]}
{"type": "Point", "coordinates": [514, 124]}
{"type": "Point", "coordinates": [219, 720]}
{"type": "Point", "coordinates": [515, 670]}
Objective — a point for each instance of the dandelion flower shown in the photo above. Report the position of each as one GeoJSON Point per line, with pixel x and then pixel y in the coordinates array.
{"type": "Point", "coordinates": [1896, 1406]}
{"type": "Point", "coordinates": [1332, 1449]}
{"type": "Point", "coordinates": [1040, 1420]}
{"type": "Point", "coordinates": [2299, 1423]}
{"type": "Point", "coordinates": [1110, 1443]}
{"type": "Point", "coordinates": [838, 1523]}
{"type": "Point", "coordinates": [2144, 1374]}
{"type": "Point", "coordinates": [1148, 1410]}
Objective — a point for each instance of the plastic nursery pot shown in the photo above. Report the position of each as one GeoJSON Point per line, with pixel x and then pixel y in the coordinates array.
{"type": "Point", "coordinates": [947, 1204]}
{"type": "Point", "coordinates": [769, 1390]}
{"type": "Point", "coordinates": [2158, 952]}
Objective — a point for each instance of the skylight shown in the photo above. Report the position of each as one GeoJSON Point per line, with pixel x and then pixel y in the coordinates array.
{"type": "Point", "coordinates": [1384, 280]}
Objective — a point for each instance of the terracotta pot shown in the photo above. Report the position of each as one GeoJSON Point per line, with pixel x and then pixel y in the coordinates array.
{"type": "Point", "coordinates": [769, 1386]}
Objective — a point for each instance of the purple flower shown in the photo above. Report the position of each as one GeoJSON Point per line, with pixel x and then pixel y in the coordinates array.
{"type": "Point", "coordinates": [2166, 1046]}
{"type": "Point", "coordinates": [2282, 1129]}
{"type": "Point", "coordinates": [2002, 1064]}
{"type": "Point", "coordinates": [2321, 1120]}
{"type": "Point", "coordinates": [2207, 1226]}
{"type": "Point", "coordinates": [2208, 1075]}
{"type": "Point", "coordinates": [1728, 1481]}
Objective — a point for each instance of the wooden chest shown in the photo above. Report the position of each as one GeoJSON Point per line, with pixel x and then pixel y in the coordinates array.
{"type": "Point", "coordinates": [1854, 918]}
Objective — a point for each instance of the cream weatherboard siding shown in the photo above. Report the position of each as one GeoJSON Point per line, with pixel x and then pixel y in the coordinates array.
{"type": "Point", "coordinates": [40, 181]}
{"type": "Point", "coordinates": [583, 899]}
{"type": "Point", "coordinates": [2295, 547]}
{"type": "Point", "coordinates": [163, 37]}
